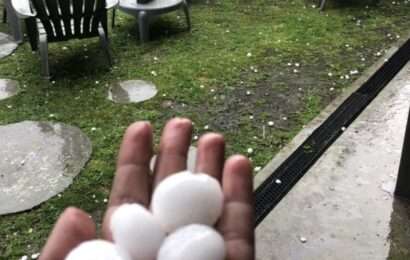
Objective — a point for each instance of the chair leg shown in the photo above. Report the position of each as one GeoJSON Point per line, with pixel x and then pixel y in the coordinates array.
{"type": "Point", "coordinates": [43, 49]}
{"type": "Point", "coordinates": [4, 15]}
{"type": "Point", "coordinates": [322, 5]}
{"type": "Point", "coordinates": [105, 44]}
{"type": "Point", "coordinates": [185, 6]}
{"type": "Point", "coordinates": [143, 24]}
{"type": "Point", "coordinates": [113, 17]}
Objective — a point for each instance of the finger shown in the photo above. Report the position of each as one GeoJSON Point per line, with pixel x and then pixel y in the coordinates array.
{"type": "Point", "coordinates": [73, 227]}
{"type": "Point", "coordinates": [211, 155]}
{"type": "Point", "coordinates": [173, 149]}
{"type": "Point", "coordinates": [132, 181]}
{"type": "Point", "coordinates": [237, 221]}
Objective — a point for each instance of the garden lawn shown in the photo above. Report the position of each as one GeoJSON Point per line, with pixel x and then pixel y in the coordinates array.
{"type": "Point", "coordinates": [244, 64]}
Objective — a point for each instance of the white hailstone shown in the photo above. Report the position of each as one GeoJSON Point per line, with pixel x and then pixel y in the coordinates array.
{"type": "Point", "coordinates": [105, 200]}
{"type": "Point", "coordinates": [94, 249]}
{"type": "Point", "coordinates": [206, 127]}
{"type": "Point", "coordinates": [24, 257]}
{"type": "Point", "coordinates": [251, 117]}
{"type": "Point", "coordinates": [196, 137]}
{"type": "Point", "coordinates": [257, 168]}
{"type": "Point", "coordinates": [289, 64]}
{"type": "Point", "coordinates": [284, 118]}
{"type": "Point", "coordinates": [297, 64]}
{"type": "Point", "coordinates": [93, 129]}
{"type": "Point", "coordinates": [201, 86]}
{"type": "Point", "coordinates": [136, 232]}
{"type": "Point", "coordinates": [303, 239]}
{"type": "Point", "coordinates": [295, 71]}
{"type": "Point", "coordinates": [250, 150]}
{"type": "Point", "coordinates": [347, 76]}
{"type": "Point", "coordinates": [155, 58]}
{"type": "Point", "coordinates": [97, 82]}
{"type": "Point", "coordinates": [9, 106]}
{"type": "Point", "coordinates": [35, 256]}
{"type": "Point", "coordinates": [277, 181]}
{"type": "Point", "coordinates": [186, 198]}
{"type": "Point", "coordinates": [249, 54]}
{"type": "Point", "coordinates": [64, 48]}
{"type": "Point", "coordinates": [154, 73]}
{"type": "Point", "coordinates": [332, 89]}
{"type": "Point", "coordinates": [343, 128]}
{"type": "Point", "coordinates": [354, 72]}
{"type": "Point", "coordinates": [212, 90]}
{"type": "Point", "coordinates": [378, 54]}
{"type": "Point", "coordinates": [330, 74]}
{"type": "Point", "coordinates": [197, 242]}
{"type": "Point", "coordinates": [271, 123]}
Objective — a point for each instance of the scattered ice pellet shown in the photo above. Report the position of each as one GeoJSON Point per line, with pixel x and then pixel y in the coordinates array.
{"type": "Point", "coordinates": [330, 74]}
{"type": "Point", "coordinates": [196, 137]}
{"type": "Point", "coordinates": [35, 256]}
{"type": "Point", "coordinates": [343, 128]}
{"type": "Point", "coordinates": [249, 54]}
{"type": "Point", "coordinates": [271, 123]}
{"type": "Point", "coordinates": [248, 92]}
{"type": "Point", "coordinates": [93, 129]}
{"type": "Point", "coordinates": [97, 82]}
{"type": "Point", "coordinates": [277, 181]}
{"type": "Point", "coordinates": [201, 86]}
{"type": "Point", "coordinates": [30, 231]}
{"type": "Point", "coordinates": [258, 168]}
{"type": "Point", "coordinates": [289, 64]}
{"type": "Point", "coordinates": [295, 71]}
{"type": "Point", "coordinates": [297, 64]}
{"type": "Point", "coordinates": [51, 115]}
{"type": "Point", "coordinates": [64, 48]}
{"type": "Point", "coordinates": [303, 239]}
{"type": "Point", "coordinates": [154, 73]}
{"type": "Point", "coordinates": [9, 106]}
{"type": "Point", "coordinates": [174, 209]}
{"type": "Point", "coordinates": [354, 72]}
{"type": "Point", "coordinates": [212, 90]}
{"type": "Point", "coordinates": [155, 58]}
{"type": "Point", "coordinates": [284, 118]}
{"type": "Point", "coordinates": [332, 89]}
{"type": "Point", "coordinates": [378, 54]}
{"type": "Point", "coordinates": [250, 150]}
{"type": "Point", "coordinates": [206, 127]}
{"type": "Point", "coordinates": [105, 200]}
{"type": "Point", "coordinates": [24, 257]}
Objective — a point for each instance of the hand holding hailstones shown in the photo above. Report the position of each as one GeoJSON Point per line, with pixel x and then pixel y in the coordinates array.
{"type": "Point", "coordinates": [185, 206]}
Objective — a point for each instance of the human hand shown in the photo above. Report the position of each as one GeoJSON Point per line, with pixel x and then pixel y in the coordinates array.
{"type": "Point", "coordinates": [133, 183]}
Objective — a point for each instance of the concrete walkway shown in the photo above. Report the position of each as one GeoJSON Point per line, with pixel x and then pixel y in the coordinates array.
{"type": "Point", "coordinates": [343, 207]}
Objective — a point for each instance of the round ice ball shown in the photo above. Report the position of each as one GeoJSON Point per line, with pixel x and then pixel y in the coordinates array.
{"type": "Point", "coordinates": [197, 242]}
{"type": "Point", "coordinates": [95, 249]}
{"type": "Point", "coordinates": [136, 232]}
{"type": "Point", "coordinates": [187, 198]}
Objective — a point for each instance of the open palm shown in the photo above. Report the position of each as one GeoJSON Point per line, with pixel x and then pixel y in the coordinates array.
{"type": "Point", "coordinates": [134, 183]}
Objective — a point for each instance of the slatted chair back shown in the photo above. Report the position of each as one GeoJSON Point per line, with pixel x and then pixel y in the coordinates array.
{"type": "Point", "coordinates": [68, 19]}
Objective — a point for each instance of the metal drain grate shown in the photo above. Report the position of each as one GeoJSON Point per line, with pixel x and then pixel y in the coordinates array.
{"type": "Point", "coordinates": [270, 193]}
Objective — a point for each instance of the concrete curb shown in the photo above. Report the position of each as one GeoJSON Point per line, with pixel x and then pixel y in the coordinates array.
{"type": "Point", "coordinates": [280, 157]}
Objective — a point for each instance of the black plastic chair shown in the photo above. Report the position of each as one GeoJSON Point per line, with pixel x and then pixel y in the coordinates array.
{"type": "Point", "coordinates": [63, 20]}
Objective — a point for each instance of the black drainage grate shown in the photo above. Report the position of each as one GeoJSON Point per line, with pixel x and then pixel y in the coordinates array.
{"type": "Point", "coordinates": [271, 191]}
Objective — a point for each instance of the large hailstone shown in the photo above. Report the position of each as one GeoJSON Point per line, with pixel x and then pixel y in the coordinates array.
{"type": "Point", "coordinates": [95, 249]}
{"type": "Point", "coordinates": [197, 242]}
{"type": "Point", "coordinates": [187, 198]}
{"type": "Point", "coordinates": [136, 232]}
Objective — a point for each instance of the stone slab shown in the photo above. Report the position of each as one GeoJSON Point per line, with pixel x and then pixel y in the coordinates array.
{"type": "Point", "coordinates": [38, 161]}
{"type": "Point", "coordinates": [8, 88]}
{"type": "Point", "coordinates": [7, 45]}
{"type": "Point", "coordinates": [132, 91]}
{"type": "Point", "coordinates": [343, 207]}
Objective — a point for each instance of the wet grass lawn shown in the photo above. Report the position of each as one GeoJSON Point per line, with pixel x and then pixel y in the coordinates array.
{"type": "Point", "coordinates": [244, 65]}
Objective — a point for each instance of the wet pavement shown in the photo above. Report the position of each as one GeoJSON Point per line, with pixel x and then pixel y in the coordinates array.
{"type": "Point", "coordinates": [343, 208]}
{"type": "Point", "coordinates": [38, 161]}
{"type": "Point", "coordinates": [7, 45]}
{"type": "Point", "coordinates": [8, 88]}
{"type": "Point", "coordinates": [132, 91]}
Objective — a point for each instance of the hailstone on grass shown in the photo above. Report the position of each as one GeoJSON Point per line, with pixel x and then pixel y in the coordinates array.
{"type": "Point", "coordinates": [187, 198]}
{"type": "Point", "coordinates": [136, 232]}
{"type": "Point", "coordinates": [193, 242]}
{"type": "Point", "coordinates": [95, 249]}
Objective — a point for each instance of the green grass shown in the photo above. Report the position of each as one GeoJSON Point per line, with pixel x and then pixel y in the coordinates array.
{"type": "Point", "coordinates": [214, 55]}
